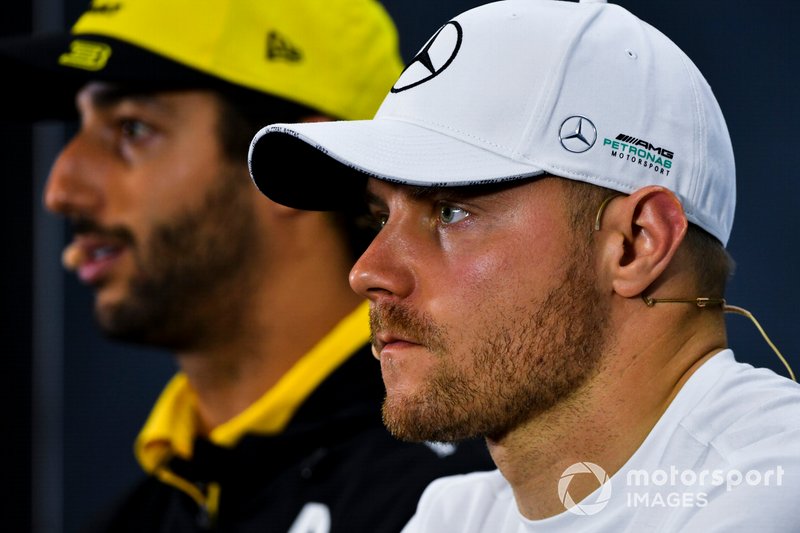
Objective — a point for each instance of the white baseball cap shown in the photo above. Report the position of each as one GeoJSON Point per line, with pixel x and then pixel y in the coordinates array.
{"type": "Point", "coordinates": [521, 88]}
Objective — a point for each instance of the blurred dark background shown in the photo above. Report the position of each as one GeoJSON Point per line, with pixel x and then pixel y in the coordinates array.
{"type": "Point", "coordinates": [74, 402]}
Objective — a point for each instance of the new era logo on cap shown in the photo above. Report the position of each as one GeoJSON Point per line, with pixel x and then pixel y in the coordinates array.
{"type": "Point", "coordinates": [279, 48]}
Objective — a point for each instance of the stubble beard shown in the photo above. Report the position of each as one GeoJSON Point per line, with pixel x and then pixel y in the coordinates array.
{"type": "Point", "coordinates": [189, 287]}
{"type": "Point", "coordinates": [523, 364]}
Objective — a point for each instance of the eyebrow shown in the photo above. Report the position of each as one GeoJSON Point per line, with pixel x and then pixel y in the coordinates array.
{"type": "Point", "coordinates": [416, 193]}
{"type": "Point", "coordinates": [109, 96]}
{"type": "Point", "coordinates": [455, 192]}
{"type": "Point", "coordinates": [372, 199]}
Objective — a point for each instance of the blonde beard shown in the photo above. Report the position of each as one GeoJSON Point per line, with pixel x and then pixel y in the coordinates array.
{"type": "Point", "coordinates": [523, 365]}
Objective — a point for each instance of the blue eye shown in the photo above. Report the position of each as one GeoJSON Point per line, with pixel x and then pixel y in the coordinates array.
{"type": "Point", "coordinates": [449, 214]}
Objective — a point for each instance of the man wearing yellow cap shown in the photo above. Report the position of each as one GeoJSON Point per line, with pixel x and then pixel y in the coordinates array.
{"type": "Point", "coordinates": [273, 422]}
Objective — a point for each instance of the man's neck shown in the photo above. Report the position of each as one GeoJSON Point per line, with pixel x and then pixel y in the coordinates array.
{"type": "Point", "coordinates": [604, 422]}
{"type": "Point", "coordinates": [228, 378]}
{"type": "Point", "coordinates": [300, 294]}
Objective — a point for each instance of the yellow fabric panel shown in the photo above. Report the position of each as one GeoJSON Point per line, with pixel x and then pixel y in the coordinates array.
{"type": "Point", "coordinates": [343, 54]}
{"type": "Point", "coordinates": [171, 427]}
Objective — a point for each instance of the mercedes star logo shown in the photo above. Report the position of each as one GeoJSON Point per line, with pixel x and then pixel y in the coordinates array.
{"type": "Point", "coordinates": [435, 56]}
{"type": "Point", "coordinates": [577, 134]}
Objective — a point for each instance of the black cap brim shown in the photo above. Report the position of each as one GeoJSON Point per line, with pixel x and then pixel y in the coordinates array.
{"type": "Point", "coordinates": [36, 86]}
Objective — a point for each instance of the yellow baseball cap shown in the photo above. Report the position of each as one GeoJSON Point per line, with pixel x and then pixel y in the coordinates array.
{"type": "Point", "coordinates": [339, 57]}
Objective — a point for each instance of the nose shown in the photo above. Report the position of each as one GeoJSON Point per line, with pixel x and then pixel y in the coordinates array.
{"type": "Point", "coordinates": [385, 269]}
{"type": "Point", "coordinates": [73, 187]}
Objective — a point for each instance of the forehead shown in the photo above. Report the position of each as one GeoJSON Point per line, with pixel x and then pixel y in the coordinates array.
{"type": "Point", "coordinates": [103, 94]}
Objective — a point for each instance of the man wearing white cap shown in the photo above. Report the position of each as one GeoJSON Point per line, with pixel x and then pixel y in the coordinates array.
{"type": "Point", "coordinates": [555, 187]}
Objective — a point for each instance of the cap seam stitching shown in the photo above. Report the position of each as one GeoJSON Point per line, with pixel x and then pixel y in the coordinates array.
{"type": "Point", "coordinates": [434, 126]}
{"type": "Point", "coordinates": [699, 130]}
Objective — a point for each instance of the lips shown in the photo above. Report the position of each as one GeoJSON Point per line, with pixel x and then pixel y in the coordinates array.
{"type": "Point", "coordinates": [390, 342]}
{"type": "Point", "coordinates": [400, 331]}
{"type": "Point", "coordinates": [92, 257]}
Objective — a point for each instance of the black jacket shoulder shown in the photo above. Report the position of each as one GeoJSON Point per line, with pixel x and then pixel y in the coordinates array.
{"type": "Point", "coordinates": [334, 463]}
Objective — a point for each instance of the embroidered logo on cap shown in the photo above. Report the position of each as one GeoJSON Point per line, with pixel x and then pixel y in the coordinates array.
{"type": "Point", "coordinates": [279, 48]}
{"type": "Point", "coordinates": [86, 55]}
{"type": "Point", "coordinates": [435, 56]}
{"type": "Point", "coordinates": [577, 134]}
{"type": "Point", "coordinates": [104, 9]}
{"type": "Point", "coordinates": [641, 152]}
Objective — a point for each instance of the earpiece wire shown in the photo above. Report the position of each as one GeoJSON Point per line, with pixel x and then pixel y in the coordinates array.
{"type": "Point", "coordinates": [704, 302]}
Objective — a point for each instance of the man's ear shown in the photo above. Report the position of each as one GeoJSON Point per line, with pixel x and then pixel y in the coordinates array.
{"type": "Point", "coordinates": [639, 238]}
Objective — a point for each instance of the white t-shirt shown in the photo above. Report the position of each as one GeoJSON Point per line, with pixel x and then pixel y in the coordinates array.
{"type": "Point", "coordinates": [724, 457]}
